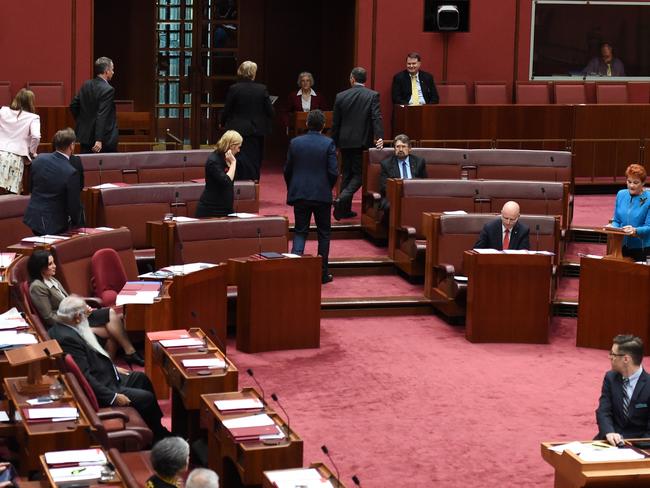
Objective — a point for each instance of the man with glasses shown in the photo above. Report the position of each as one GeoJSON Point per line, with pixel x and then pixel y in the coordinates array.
{"type": "Point", "coordinates": [505, 232]}
{"type": "Point", "coordinates": [623, 406]}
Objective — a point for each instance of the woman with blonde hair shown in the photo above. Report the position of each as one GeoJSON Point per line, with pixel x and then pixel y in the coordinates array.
{"type": "Point", "coordinates": [20, 133]}
{"type": "Point", "coordinates": [220, 168]}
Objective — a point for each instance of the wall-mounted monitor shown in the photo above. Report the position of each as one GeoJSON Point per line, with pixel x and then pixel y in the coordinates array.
{"type": "Point", "coordinates": [446, 15]}
{"type": "Point", "coordinates": [590, 39]}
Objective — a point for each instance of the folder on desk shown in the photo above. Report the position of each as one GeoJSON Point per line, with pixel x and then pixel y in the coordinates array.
{"type": "Point", "coordinates": [50, 414]}
{"type": "Point", "coordinates": [75, 457]}
{"type": "Point", "coordinates": [12, 338]}
{"type": "Point", "coordinates": [190, 342]}
{"type": "Point", "coordinates": [271, 255]}
{"type": "Point", "coordinates": [239, 405]}
{"type": "Point", "coordinates": [138, 292]}
{"type": "Point", "coordinates": [76, 475]}
{"type": "Point", "coordinates": [12, 320]}
{"type": "Point", "coordinates": [163, 335]}
{"type": "Point", "coordinates": [251, 427]}
{"type": "Point", "coordinates": [204, 363]}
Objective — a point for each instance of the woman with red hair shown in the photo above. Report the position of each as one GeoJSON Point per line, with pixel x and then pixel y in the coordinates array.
{"type": "Point", "coordinates": [632, 214]}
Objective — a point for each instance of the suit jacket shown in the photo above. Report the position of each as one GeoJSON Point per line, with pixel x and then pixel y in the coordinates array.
{"type": "Point", "coordinates": [401, 89]}
{"type": "Point", "coordinates": [609, 414]}
{"type": "Point", "coordinates": [218, 196]}
{"type": "Point", "coordinates": [248, 109]}
{"type": "Point", "coordinates": [390, 169]}
{"type": "Point", "coordinates": [46, 300]}
{"type": "Point", "coordinates": [311, 169]}
{"type": "Point", "coordinates": [97, 368]}
{"type": "Point", "coordinates": [491, 238]}
{"type": "Point", "coordinates": [357, 118]}
{"type": "Point", "coordinates": [94, 110]}
{"type": "Point", "coordinates": [54, 204]}
{"type": "Point", "coordinates": [75, 161]}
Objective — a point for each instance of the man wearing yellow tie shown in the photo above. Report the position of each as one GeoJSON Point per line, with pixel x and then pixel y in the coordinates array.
{"type": "Point", "coordinates": [605, 64]}
{"type": "Point", "coordinates": [412, 86]}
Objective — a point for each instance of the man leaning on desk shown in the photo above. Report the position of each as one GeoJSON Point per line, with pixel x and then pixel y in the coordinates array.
{"type": "Point", "coordinates": [505, 232]}
{"type": "Point", "coordinates": [623, 406]}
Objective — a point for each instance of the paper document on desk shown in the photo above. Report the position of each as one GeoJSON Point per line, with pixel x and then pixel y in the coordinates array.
{"type": "Point", "coordinates": [303, 477]}
{"type": "Point", "coordinates": [243, 215]}
{"type": "Point", "coordinates": [209, 363]}
{"type": "Point", "coordinates": [182, 218]}
{"type": "Point", "coordinates": [15, 338]}
{"type": "Point", "coordinates": [79, 456]}
{"type": "Point", "coordinates": [76, 475]}
{"type": "Point", "coordinates": [243, 404]}
{"type": "Point", "coordinates": [259, 420]}
{"type": "Point", "coordinates": [611, 455]}
{"type": "Point", "coordinates": [6, 258]}
{"type": "Point", "coordinates": [179, 269]}
{"type": "Point", "coordinates": [52, 413]}
{"type": "Point", "coordinates": [455, 212]}
{"type": "Point", "coordinates": [516, 251]}
{"type": "Point", "coordinates": [12, 319]}
{"type": "Point", "coordinates": [191, 342]}
{"type": "Point", "coordinates": [138, 292]}
{"type": "Point", "coordinates": [46, 239]}
{"type": "Point", "coordinates": [487, 251]}
{"type": "Point", "coordinates": [4, 417]}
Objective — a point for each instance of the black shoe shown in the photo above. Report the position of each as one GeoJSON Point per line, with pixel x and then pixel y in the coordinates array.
{"type": "Point", "coordinates": [350, 215]}
{"type": "Point", "coordinates": [337, 210]}
{"type": "Point", "coordinates": [134, 358]}
{"type": "Point", "coordinates": [328, 278]}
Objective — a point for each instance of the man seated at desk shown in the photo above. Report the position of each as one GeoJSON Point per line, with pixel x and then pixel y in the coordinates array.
{"type": "Point", "coordinates": [403, 165]}
{"type": "Point", "coordinates": [505, 232]}
{"type": "Point", "coordinates": [112, 385]}
{"type": "Point", "coordinates": [623, 406]}
{"type": "Point", "coordinates": [606, 64]}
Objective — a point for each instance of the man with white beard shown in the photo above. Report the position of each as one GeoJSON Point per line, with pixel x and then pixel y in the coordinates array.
{"type": "Point", "coordinates": [112, 386]}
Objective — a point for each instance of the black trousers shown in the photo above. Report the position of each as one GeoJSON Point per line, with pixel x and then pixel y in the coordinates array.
{"type": "Point", "coordinates": [351, 177]}
{"type": "Point", "coordinates": [138, 388]}
{"type": "Point", "coordinates": [636, 253]}
{"type": "Point", "coordinates": [249, 160]}
{"type": "Point", "coordinates": [302, 212]}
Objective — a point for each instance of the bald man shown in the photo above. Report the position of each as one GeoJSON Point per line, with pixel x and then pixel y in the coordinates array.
{"type": "Point", "coordinates": [505, 232]}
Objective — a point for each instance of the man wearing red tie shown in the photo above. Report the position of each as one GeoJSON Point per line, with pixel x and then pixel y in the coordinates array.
{"type": "Point", "coordinates": [505, 232]}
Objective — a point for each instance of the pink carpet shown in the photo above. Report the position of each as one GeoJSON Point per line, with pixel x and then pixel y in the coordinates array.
{"type": "Point", "coordinates": [592, 210]}
{"type": "Point", "coordinates": [575, 249]}
{"type": "Point", "coordinates": [568, 288]}
{"type": "Point", "coordinates": [370, 286]}
{"type": "Point", "coordinates": [409, 402]}
{"type": "Point", "coordinates": [348, 248]}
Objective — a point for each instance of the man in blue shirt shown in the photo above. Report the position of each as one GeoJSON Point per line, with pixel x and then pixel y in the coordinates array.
{"type": "Point", "coordinates": [402, 164]}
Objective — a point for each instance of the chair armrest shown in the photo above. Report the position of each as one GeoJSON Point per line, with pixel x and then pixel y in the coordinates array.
{"type": "Point", "coordinates": [95, 302]}
{"type": "Point", "coordinates": [125, 435]}
{"type": "Point", "coordinates": [113, 414]}
{"type": "Point", "coordinates": [370, 199]}
{"type": "Point", "coordinates": [444, 271]}
{"type": "Point", "coordinates": [407, 232]}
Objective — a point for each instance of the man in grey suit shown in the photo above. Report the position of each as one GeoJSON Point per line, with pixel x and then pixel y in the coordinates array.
{"type": "Point", "coordinates": [94, 110]}
{"type": "Point", "coordinates": [357, 122]}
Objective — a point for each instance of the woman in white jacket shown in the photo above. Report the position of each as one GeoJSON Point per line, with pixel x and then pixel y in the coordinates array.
{"type": "Point", "coordinates": [20, 133]}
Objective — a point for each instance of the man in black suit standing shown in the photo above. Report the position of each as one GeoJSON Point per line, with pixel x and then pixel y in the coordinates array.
{"type": "Point", "coordinates": [94, 110]}
{"type": "Point", "coordinates": [401, 164]}
{"type": "Point", "coordinates": [310, 173]}
{"type": "Point", "coordinates": [356, 122]}
{"type": "Point", "coordinates": [505, 232]}
{"type": "Point", "coordinates": [112, 385]}
{"type": "Point", "coordinates": [405, 81]}
{"type": "Point", "coordinates": [55, 204]}
{"type": "Point", "coordinates": [624, 405]}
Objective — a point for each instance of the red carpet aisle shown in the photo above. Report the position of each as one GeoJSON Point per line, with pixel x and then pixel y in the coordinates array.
{"type": "Point", "coordinates": [593, 210]}
{"type": "Point", "coordinates": [408, 402]}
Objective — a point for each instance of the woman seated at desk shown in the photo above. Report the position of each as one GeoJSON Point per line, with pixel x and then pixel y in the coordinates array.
{"type": "Point", "coordinates": [47, 292]}
{"type": "Point", "coordinates": [631, 214]}
{"type": "Point", "coordinates": [218, 196]}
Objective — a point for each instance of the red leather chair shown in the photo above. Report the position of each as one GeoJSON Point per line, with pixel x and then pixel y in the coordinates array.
{"type": "Point", "coordinates": [611, 93]}
{"type": "Point", "coordinates": [570, 93]}
{"type": "Point", "coordinates": [108, 275]}
{"type": "Point", "coordinates": [119, 427]}
{"type": "Point", "coordinates": [491, 93]}
{"type": "Point", "coordinates": [452, 93]}
{"type": "Point", "coordinates": [532, 93]}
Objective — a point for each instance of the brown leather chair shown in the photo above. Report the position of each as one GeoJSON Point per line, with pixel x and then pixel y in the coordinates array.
{"type": "Point", "coordinates": [19, 295]}
{"type": "Point", "coordinates": [528, 93]}
{"type": "Point", "coordinates": [12, 229]}
{"type": "Point", "coordinates": [134, 467]}
{"type": "Point", "coordinates": [217, 240]}
{"type": "Point", "coordinates": [451, 93]}
{"type": "Point", "coordinates": [570, 93]}
{"type": "Point", "coordinates": [491, 93]}
{"type": "Point", "coordinates": [107, 168]}
{"type": "Point", "coordinates": [611, 93]}
{"type": "Point", "coordinates": [449, 236]}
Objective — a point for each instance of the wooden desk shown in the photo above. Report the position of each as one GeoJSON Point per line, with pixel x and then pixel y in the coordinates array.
{"type": "Point", "coordinates": [324, 471]}
{"type": "Point", "coordinates": [116, 481]}
{"type": "Point", "coordinates": [188, 385]}
{"type": "Point", "coordinates": [508, 297]}
{"type": "Point", "coordinates": [36, 438]}
{"type": "Point", "coordinates": [572, 472]}
{"type": "Point", "coordinates": [244, 462]}
{"type": "Point", "coordinates": [298, 122]}
{"type": "Point", "coordinates": [614, 299]}
{"type": "Point", "coordinates": [278, 303]}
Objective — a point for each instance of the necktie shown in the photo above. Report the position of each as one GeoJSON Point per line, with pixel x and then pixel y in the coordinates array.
{"type": "Point", "coordinates": [609, 69]}
{"type": "Point", "coordinates": [626, 398]}
{"type": "Point", "coordinates": [506, 239]}
{"type": "Point", "coordinates": [415, 96]}
{"type": "Point", "coordinates": [405, 173]}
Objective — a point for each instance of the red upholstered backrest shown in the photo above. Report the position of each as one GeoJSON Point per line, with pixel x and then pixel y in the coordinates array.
{"type": "Point", "coordinates": [533, 93]}
{"type": "Point", "coordinates": [108, 274]}
{"type": "Point", "coordinates": [47, 93]}
{"type": "Point", "coordinates": [573, 93]}
{"type": "Point", "coordinates": [5, 93]}
{"type": "Point", "coordinates": [491, 93]}
{"type": "Point", "coordinates": [72, 366]}
{"type": "Point", "coordinates": [452, 93]}
{"type": "Point", "coordinates": [611, 93]}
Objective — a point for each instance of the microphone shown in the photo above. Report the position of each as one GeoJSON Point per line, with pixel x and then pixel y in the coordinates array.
{"type": "Point", "coordinates": [249, 371]}
{"type": "Point", "coordinates": [47, 352]}
{"type": "Point", "coordinates": [237, 199]}
{"type": "Point", "coordinates": [175, 203]}
{"type": "Point", "coordinates": [326, 451]}
{"type": "Point", "coordinates": [275, 399]}
{"type": "Point", "coordinates": [545, 199]}
{"type": "Point", "coordinates": [259, 241]}
{"type": "Point", "coordinates": [355, 480]}
{"type": "Point", "coordinates": [184, 164]}
{"type": "Point", "coordinates": [215, 337]}
{"type": "Point", "coordinates": [537, 235]}
{"type": "Point", "coordinates": [476, 198]}
{"type": "Point", "coordinates": [101, 161]}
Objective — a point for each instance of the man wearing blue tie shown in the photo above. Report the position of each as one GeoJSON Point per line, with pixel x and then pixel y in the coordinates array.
{"type": "Point", "coordinates": [401, 164]}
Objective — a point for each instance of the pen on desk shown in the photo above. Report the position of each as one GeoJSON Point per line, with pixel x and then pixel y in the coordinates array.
{"type": "Point", "coordinates": [78, 471]}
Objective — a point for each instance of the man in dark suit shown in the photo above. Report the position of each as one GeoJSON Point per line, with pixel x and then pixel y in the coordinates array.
{"type": "Point", "coordinates": [402, 164]}
{"type": "Point", "coordinates": [55, 204]}
{"type": "Point", "coordinates": [623, 409]}
{"type": "Point", "coordinates": [112, 385]}
{"type": "Point", "coordinates": [404, 82]}
{"type": "Point", "coordinates": [356, 121]}
{"type": "Point", "coordinates": [248, 110]}
{"type": "Point", "coordinates": [505, 232]}
{"type": "Point", "coordinates": [94, 110]}
{"type": "Point", "coordinates": [310, 173]}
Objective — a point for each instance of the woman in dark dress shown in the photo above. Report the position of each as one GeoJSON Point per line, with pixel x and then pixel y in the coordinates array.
{"type": "Point", "coordinates": [217, 198]}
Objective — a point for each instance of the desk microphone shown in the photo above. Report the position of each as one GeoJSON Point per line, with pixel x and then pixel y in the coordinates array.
{"type": "Point", "coordinates": [259, 241]}
{"type": "Point", "coordinates": [355, 480]}
{"type": "Point", "coordinates": [537, 235]}
{"type": "Point", "coordinates": [184, 165]}
{"type": "Point", "coordinates": [101, 162]}
{"type": "Point", "coordinates": [238, 192]}
{"type": "Point", "coordinates": [545, 198]}
{"type": "Point", "coordinates": [275, 399]}
{"type": "Point", "coordinates": [476, 198]}
{"type": "Point", "coordinates": [249, 371]}
{"type": "Point", "coordinates": [176, 195]}
{"type": "Point", "coordinates": [336, 468]}
{"type": "Point", "coordinates": [221, 345]}
{"type": "Point", "coordinates": [47, 352]}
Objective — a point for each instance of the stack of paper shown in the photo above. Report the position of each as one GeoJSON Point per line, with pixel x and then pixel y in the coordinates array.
{"type": "Point", "coordinates": [12, 320]}
{"type": "Point", "coordinates": [244, 404]}
{"type": "Point", "coordinates": [487, 251]}
{"type": "Point", "coordinates": [79, 456]}
{"type": "Point", "coordinates": [55, 414]}
{"type": "Point", "coordinates": [182, 218]}
{"type": "Point", "coordinates": [187, 268]}
{"type": "Point", "coordinates": [303, 477]}
{"type": "Point", "coordinates": [252, 427]}
{"type": "Point", "coordinates": [191, 342]}
{"type": "Point", "coordinates": [168, 334]}
{"type": "Point", "coordinates": [10, 338]}
{"type": "Point", "coordinates": [207, 363]}
{"type": "Point", "coordinates": [243, 215]}
{"type": "Point", "coordinates": [4, 417]}
{"type": "Point", "coordinates": [76, 475]}
{"type": "Point", "coordinates": [138, 292]}
{"type": "Point", "coordinates": [611, 455]}
{"type": "Point", "coordinates": [6, 258]}
{"type": "Point", "coordinates": [46, 239]}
